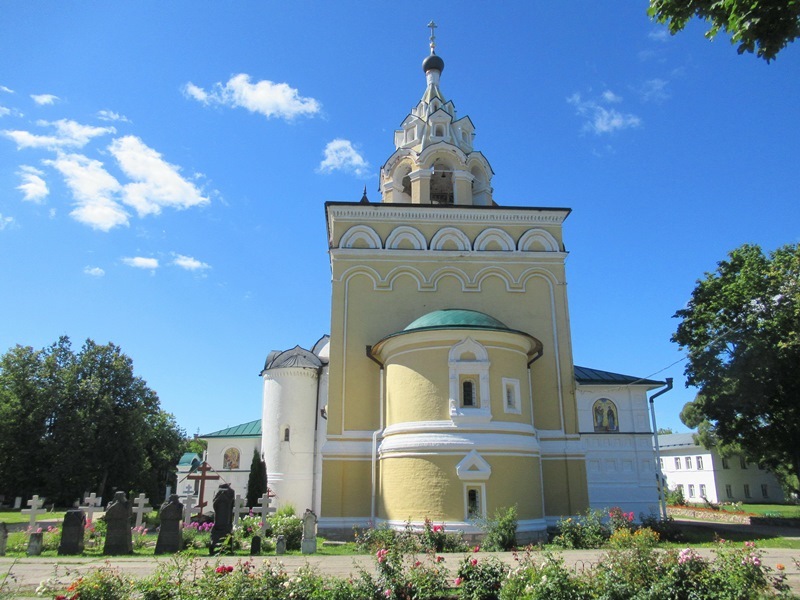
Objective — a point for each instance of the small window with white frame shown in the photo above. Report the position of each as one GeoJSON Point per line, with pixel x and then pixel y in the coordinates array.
{"type": "Point", "coordinates": [469, 392]}
{"type": "Point", "coordinates": [677, 463]}
{"type": "Point", "coordinates": [691, 490]}
{"type": "Point", "coordinates": [725, 463]}
{"type": "Point", "coordinates": [703, 491]}
{"type": "Point", "coordinates": [728, 490]}
{"type": "Point", "coordinates": [688, 462]}
{"type": "Point", "coordinates": [699, 461]}
{"type": "Point", "coordinates": [746, 490]}
{"type": "Point", "coordinates": [764, 490]}
{"type": "Point", "coordinates": [511, 396]}
{"type": "Point", "coordinates": [474, 502]}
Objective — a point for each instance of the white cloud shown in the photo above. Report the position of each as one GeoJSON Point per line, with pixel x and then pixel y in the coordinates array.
{"type": "Point", "coordinates": [340, 155]}
{"type": "Point", "coordinates": [600, 119]}
{"type": "Point", "coordinates": [33, 187]}
{"type": "Point", "coordinates": [44, 99]}
{"type": "Point", "coordinates": [264, 97]}
{"type": "Point", "coordinates": [6, 89]}
{"type": "Point", "coordinates": [93, 189]}
{"type": "Point", "coordinates": [654, 90]}
{"type": "Point", "coordinates": [141, 262]}
{"type": "Point", "coordinates": [5, 222]}
{"type": "Point", "coordinates": [68, 134]}
{"type": "Point", "coordinates": [609, 96]}
{"type": "Point", "coordinates": [4, 111]}
{"type": "Point", "coordinates": [110, 115]}
{"type": "Point", "coordinates": [659, 35]}
{"type": "Point", "coordinates": [94, 271]}
{"type": "Point", "coordinates": [157, 183]}
{"type": "Point", "coordinates": [189, 263]}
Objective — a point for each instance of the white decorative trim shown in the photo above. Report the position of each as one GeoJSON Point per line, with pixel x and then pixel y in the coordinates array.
{"type": "Point", "coordinates": [540, 236]}
{"type": "Point", "coordinates": [512, 384]}
{"type": "Point", "coordinates": [451, 215]}
{"type": "Point", "coordinates": [493, 234]}
{"type": "Point", "coordinates": [460, 441]}
{"type": "Point", "coordinates": [473, 468]}
{"type": "Point", "coordinates": [459, 369]}
{"type": "Point", "coordinates": [481, 487]}
{"type": "Point", "coordinates": [358, 233]}
{"type": "Point", "coordinates": [404, 233]}
{"type": "Point", "coordinates": [416, 427]}
{"type": "Point", "coordinates": [450, 234]}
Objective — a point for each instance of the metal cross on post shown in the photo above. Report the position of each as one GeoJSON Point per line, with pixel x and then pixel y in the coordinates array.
{"type": "Point", "coordinates": [264, 511]}
{"type": "Point", "coordinates": [34, 511]}
{"type": "Point", "coordinates": [203, 469]}
{"type": "Point", "coordinates": [239, 507]}
{"type": "Point", "coordinates": [92, 504]}
{"type": "Point", "coordinates": [432, 27]}
{"type": "Point", "coordinates": [140, 507]}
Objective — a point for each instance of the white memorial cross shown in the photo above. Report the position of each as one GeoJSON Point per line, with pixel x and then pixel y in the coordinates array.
{"type": "Point", "coordinates": [93, 504]}
{"type": "Point", "coordinates": [140, 507]}
{"type": "Point", "coordinates": [264, 510]}
{"type": "Point", "coordinates": [34, 511]}
{"type": "Point", "coordinates": [189, 507]}
{"type": "Point", "coordinates": [239, 507]}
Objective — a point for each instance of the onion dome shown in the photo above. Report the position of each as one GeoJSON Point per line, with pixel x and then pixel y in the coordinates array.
{"type": "Point", "coordinates": [433, 62]}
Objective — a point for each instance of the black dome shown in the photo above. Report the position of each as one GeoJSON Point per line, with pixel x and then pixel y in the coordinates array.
{"type": "Point", "coordinates": [433, 62]}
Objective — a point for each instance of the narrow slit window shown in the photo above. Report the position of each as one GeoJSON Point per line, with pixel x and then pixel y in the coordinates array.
{"type": "Point", "coordinates": [286, 434]}
{"type": "Point", "coordinates": [468, 393]}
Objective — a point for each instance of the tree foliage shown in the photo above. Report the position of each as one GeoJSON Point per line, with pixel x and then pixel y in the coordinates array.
{"type": "Point", "coordinates": [72, 423]}
{"type": "Point", "coordinates": [761, 26]}
{"type": "Point", "coordinates": [257, 481]}
{"type": "Point", "coordinates": [742, 332]}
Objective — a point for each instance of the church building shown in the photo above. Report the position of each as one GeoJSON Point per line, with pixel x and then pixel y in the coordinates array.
{"type": "Point", "coordinates": [446, 389]}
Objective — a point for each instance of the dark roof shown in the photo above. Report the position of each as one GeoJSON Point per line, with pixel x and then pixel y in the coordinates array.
{"type": "Point", "coordinates": [456, 318]}
{"type": "Point", "coordinates": [673, 440]}
{"type": "Point", "coordinates": [586, 376]}
{"type": "Point", "coordinates": [433, 61]}
{"type": "Point", "coordinates": [251, 429]}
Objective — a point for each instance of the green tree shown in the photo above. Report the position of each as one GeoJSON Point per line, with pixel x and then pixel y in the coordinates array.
{"type": "Point", "coordinates": [72, 422]}
{"type": "Point", "coordinates": [257, 481]}
{"type": "Point", "coordinates": [742, 332]}
{"type": "Point", "coordinates": [761, 26]}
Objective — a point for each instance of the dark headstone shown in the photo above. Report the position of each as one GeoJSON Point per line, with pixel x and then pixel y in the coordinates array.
{"type": "Point", "coordinates": [280, 545]}
{"type": "Point", "coordinates": [36, 544]}
{"type": "Point", "coordinates": [223, 516]}
{"type": "Point", "coordinates": [255, 546]}
{"type": "Point", "coordinates": [118, 526]}
{"type": "Point", "coordinates": [72, 532]}
{"type": "Point", "coordinates": [3, 538]}
{"type": "Point", "coordinates": [170, 539]}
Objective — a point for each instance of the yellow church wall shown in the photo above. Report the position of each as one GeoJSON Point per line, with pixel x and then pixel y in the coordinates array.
{"type": "Point", "coordinates": [346, 488]}
{"type": "Point", "coordinates": [438, 494]}
{"type": "Point", "coordinates": [414, 391]}
{"type": "Point", "coordinates": [565, 486]}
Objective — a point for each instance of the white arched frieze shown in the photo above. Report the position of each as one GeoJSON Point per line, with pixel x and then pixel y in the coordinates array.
{"type": "Point", "coordinates": [403, 236]}
{"type": "Point", "coordinates": [360, 236]}
{"type": "Point", "coordinates": [499, 272]}
{"type": "Point", "coordinates": [444, 272]}
{"type": "Point", "coordinates": [488, 238]}
{"type": "Point", "coordinates": [537, 240]}
{"type": "Point", "coordinates": [450, 238]}
{"type": "Point", "coordinates": [404, 271]}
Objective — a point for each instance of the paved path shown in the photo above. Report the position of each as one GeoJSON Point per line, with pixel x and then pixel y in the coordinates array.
{"type": "Point", "coordinates": [30, 572]}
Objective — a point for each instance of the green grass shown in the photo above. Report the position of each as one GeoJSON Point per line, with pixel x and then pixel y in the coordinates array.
{"type": "Point", "coordinates": [787, 511]}
{"type": "Point", "coordinates": [10, 516]}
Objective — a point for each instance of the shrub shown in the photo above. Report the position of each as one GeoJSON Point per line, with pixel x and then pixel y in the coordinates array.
{"type": "Point", "coordinates": [501, 531]}
{"type": "Point", "coordinates": [623, 539]}
{"type": "Point", "coordinates": [582, 532]}
{"type": "Point", "coordinates": [401, 575]}
{"type": "Point", "coordinates": [545, 579]}
{"type": "Point", "coordinates": [480, 580]}
{"type": "Point", "coordinates": [103, 583]}
{"type": "Point", "coordinates": [667, 529]}
{"type": "Point", "coordinates": [290, 527]}
{"type": "Point", "coordinates": [434, 538]}
{"type": "Point", "coordinates": [675, 497]}
{"type": "Point", "coordinates": [619, 520]}
{"type": "Point", "coordinates": [372, 539]}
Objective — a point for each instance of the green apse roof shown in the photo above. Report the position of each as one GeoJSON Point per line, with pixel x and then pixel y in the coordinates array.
{"type": "Point", "coordinates": [456, 318]}
{"type": "Point", "coordinates": [251, 429]}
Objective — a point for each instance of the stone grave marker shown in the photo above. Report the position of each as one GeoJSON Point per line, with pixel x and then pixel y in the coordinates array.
{"type": "Point", "coordinates": [223, 516]}
{"type": "Point", "coordinates": [118, 526]}
{"type": "Point", "coordinates": [35, 543]}
{"type": "Point", "coordinates": [280, 545]}
{"type": "Point", "coordinates": [91, 505]}
{"type": "Point", "coordinates": [72, 532]}
{"type": "Point", "coordinates": [239, 508]}
{"type": "Point", "coordinates": [170, 538]}
{"type": "Point", "coordinates": [309, 543]}
{"type": "Point", "coordinates": [190, 506]}
{"type": "Point", "coordinates": [35, 510]}
{"type": "Point", "coordinates": [3, 538]}
{"type": "Point", "coordinates": [255, 545]}
{"type": "Point", "coordinates": [17, 503]}
{"type": "Point", "coordinates": [141, 508]}
{"type": "Point", "coordinates": [264, 510]}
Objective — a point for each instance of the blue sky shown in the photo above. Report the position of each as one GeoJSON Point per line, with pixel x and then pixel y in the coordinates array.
{"type": "Point", "coordinates": [163, 169]}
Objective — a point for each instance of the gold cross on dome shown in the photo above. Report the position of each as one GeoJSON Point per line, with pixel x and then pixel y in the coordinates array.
{"type": "Point", "coordinates": [433, 26]}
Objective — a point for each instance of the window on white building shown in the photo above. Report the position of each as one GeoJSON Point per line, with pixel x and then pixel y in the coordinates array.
{"type": "Point", "coordinates": [511, 396]}
{"type": "Point", "coordinates": [699, 461]}
{"type": "Point", "coordinates": [661, 463]}
{"type": "Point", "coordinates": [746, 490]}
{"type": "Point", "coordinates": [691, 490]}
{"type": "Point", "coordinates": [703, 491]}
{"type": "Point", "coordinates": [677, 463]}
{"type": "Point", "coordinates": [728, 490]}
{"type": "Point", "coordinates": [680, 488]}
{"type": "Point", "coordinates": [725, 463]}
{"type": "Point", "coordinates": [742, 462]}
{"type": "Point", "coordinates": [688, 462]}
{"type": "Point", "coordinates": [764, 490]}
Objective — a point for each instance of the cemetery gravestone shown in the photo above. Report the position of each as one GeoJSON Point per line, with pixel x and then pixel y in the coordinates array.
{"type": "Point", "coordinates": [264, 509]}
{"type": "Point", "coordinates": [118, 526]}
{"type": "Point", "coordinates": [35, 543]}
{"type": "Point", "coordinates": [189, 508]}
{"type": "Point", "coordinates": [309, 543]}
{"type": "Point", "coordinates": [223, 516]}
{"type": "Point", "coordinates": [92, 504]}
{"type": "Point", "coordinates": [72, 532]}
{"type": "Point", "coordinates": [3, 538]}
{"type": "Point", "coordinates": [35, 510]}
{"type": "Point", "coordinates": [255, 546]}
{"type": "Point", "coordinates": [141, 508]}
{"type": "Point", "coordinates": [170, 539]}
{"type": "Point", "coordinates": [17, 503]}
{"type": "Point", "coordinates": [239, 507]}
{"type": "Point", "coordinates": [280, 545]}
